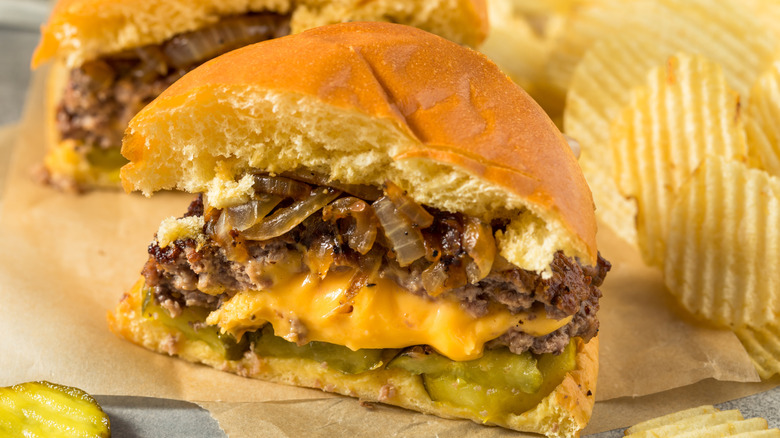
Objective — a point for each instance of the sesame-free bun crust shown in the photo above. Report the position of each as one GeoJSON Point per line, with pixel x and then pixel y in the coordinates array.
{"type": "Point", "coordinates": [365, 103]}
{"type": "Point", "coordinates": [563, 413]}
{"type": "Point", "coordinates": [80, 30]}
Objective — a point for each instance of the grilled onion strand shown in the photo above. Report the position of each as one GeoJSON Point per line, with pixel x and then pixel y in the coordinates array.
{"type": "Point", "coordinates": [406, 240]}
{"type": "Point", "coordinates": [285, 219]}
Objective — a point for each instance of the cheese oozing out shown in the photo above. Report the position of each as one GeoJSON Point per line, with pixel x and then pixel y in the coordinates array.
{"type": "Point", "coordinates": [382, 315]}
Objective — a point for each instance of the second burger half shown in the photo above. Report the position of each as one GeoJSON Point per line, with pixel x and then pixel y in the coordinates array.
{"type": "Point", "coordinates": [382, 214]}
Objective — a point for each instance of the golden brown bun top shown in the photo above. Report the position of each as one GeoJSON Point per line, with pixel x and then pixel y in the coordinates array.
{"type": "Point", "coordinates": [80, 30]}
{"type": "Point", "coordinates": [364, 103]}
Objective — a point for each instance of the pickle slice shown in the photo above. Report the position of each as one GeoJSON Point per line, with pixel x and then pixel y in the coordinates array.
{"type": "Point", "coordinates": [106, 158]}
{"type": "Point", "coordinates": [337, 357]}
{"type": "Point", "coordinates": [190, 318]}
{"type": "Point", "coordinates": [496, 368]}
{"type": "Point", "coordinates": [485, 402]}
{"type": "Point", "coordinates": [497, 384]}
{"type": "Point", "coordinates": [44, 409]}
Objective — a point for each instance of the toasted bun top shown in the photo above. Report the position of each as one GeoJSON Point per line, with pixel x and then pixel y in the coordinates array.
{"type": "Point", "coordinates": [365, 103]}
{"type": "Point", "coordinates": [80, 30]}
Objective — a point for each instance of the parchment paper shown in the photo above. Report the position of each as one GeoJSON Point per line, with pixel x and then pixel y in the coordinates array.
{"type": "Point", "coordinates": [66, 260]}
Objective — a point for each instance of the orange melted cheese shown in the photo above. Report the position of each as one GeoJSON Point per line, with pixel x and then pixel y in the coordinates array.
{"type": "Point", "coordinates": [382, 316]}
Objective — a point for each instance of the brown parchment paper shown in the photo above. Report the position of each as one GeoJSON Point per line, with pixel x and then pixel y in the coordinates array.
{"type": "Point", "coordinates": [65, 261]}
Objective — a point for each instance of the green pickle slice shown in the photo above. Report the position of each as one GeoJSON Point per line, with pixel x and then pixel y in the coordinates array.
{"type": "Point", "coordinates": [44, 409]}
{"type": "Point", "coordinates": [223, 343]}
{"type": "Point", "coordinates": [337, 357]}
{"type": "Point", "coordinates": [497, 384]}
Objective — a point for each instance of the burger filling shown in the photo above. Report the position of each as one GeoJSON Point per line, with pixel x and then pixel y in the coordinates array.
{"type": "Point", "coordinates": [102, 95]}
{"type": "Point", "coordinates": [363, 279]}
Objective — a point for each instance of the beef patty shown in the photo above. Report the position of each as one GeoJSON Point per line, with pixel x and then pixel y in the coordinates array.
{"type": "Point", "coordinates": [180, 273]}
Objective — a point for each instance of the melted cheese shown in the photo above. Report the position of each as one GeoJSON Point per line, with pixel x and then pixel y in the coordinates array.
{"type": "Point", "coordinates": [382, 316]}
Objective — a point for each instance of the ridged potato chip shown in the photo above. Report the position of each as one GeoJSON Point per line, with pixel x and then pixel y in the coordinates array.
{"type": "Point", "coordinates": [771, 433]}
{"type": "Point", "coordinates": [519, 49]}
{"type": "Point", "coordinates": [762, 120]}
{"type": "Point", "coordinates": [684, 113]}
{"type": "Point", "coordinates": [670, 419]}
{"type": "Point", "coordinates": [763, 346]}
{"type": "Point", "coordinates": [599, 85]}
{"type": "Point", "coordinates": [44, 409]}
{"type": "Point", "coordinates": [598, 91]}
{"type": "Point", "coordinates": [729, 34]}
{"type": "Point", "coordinates": [691, 423]}
{"type": "Point", "coordinates": [520, 41]}
{"type": "Point", "coordinates": [768, 12]}
{"type": "Point", "coordinates": [702, 422]}
{"type": "Point", "coordinates": [723, 247]}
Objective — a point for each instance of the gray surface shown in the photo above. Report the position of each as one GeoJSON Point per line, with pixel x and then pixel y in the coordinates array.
{"type": "Point", "coordinates": [140, 417]}
{"type": "Point", "coordinates": [16, 46]}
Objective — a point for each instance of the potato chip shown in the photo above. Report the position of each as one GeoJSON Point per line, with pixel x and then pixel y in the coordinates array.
{"type": "Point", "coordinates": [597, 93]}
{"type": "Point", "coordinates": [670, 419]}
{"type": "Point", "coordinates": [598, 90]}
{"type": "Point", "coordinates": [771, 433]}
{"type": "Point", "coordinates": [763, 346]}
{"type": "Point", "coordinates": [762, 121]}
{"type": "Point", "coordinates": [728, 34]}
{"type": "Point", "coordinates": [515, 45]}
{"type": "Point", "coordinates": [691, 423]}
{"type": "Point", "coordinates": [728, 429]}
{"type": "Point", "coordinates": [768, 12]}
{"type": "Point", "coordinates": [684, 113]}
{"type": "Point", "coordinates": [723, 248]}
{"type": "Point", "coordinates": [702, 422]}
{"type": "Point", "coordinates": [520, 40]}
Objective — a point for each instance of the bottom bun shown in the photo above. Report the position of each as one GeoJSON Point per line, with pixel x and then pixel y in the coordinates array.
{"type": "Point", "coordinates": [562, 413]}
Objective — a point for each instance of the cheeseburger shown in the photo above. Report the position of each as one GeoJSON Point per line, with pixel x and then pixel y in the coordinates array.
{"type": "Point", "coordinates": [381, 213]}
{"type": "Point", "coordinates": [114, 57]}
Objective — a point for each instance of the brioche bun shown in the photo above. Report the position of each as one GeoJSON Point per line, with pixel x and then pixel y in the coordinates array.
{"type": "Point", "coordinates": [365, 103]}
{"type": "Point", "coordinates": [81, 30]}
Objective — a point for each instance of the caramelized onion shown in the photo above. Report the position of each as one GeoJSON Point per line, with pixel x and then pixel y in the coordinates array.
{"type": "Point", "coordinates": [320, 256]}
{"type": "Point", "coordinates": [227, 34]}
{"type": "Point", "coordinates": [434, 278]}
{"type": "Point", "coordinates": [362, 235]}
{"type": "Point", "coordinates": [368, 265]}
{"type": "Point", "coordinates": [285, 219]}
{"type": "Point", "coordinates": [234, 246]}
{"type": "Point", "coordinates": [152, 64]}
{"type": "Point", "coordinates": [362, 191]}
{"type": "Point", "coordinates": [284, 187]}
{"type": "Point", "coordinates": [444, 275]}
{"type": "Point", "coordinates": [246, 215]}
{"type": "Point", "coordinates": [419, 217]}
{"type": "Point", "coordinates": [480, 245]}
{"type": "Point", "coordinates": [405, 239]}
{"type": "Point", "coordinates": [450, 227]}
{"type": "Point", "coordinates": [433, 250]}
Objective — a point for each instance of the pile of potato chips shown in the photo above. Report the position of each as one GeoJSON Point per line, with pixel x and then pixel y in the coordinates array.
{"type": "Point", "coordinates": [676, 107]}
{"type": "Point", "coordinates": [703, 422]}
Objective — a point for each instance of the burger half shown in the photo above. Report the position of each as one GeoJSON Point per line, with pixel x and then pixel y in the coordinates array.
{"type": "Point", "coordinates": [114, 57]}
{"type": "Point", "coordinates": [381, 213]}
